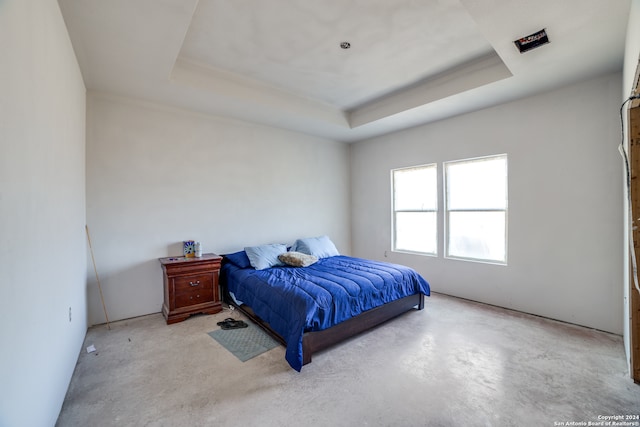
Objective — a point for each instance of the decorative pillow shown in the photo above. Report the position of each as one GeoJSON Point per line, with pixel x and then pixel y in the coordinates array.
{"type": "Point", "coordinates": [239, 259]}
{"type": "Point", "coordinates": [321, 246]}
{"type": "Point", "coordinates": [265, 256]}
{"type": "Point", "coordinates": [297, 259]}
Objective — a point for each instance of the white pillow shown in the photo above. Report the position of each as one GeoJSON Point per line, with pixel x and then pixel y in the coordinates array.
{"type": "Point", "coordinates": [265, 256]}
{"type": "Point", "coordinates": [321, 246]}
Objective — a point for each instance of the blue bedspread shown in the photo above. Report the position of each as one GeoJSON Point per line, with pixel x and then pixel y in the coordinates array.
{"type": "Point", "coordinates": [294, 300]}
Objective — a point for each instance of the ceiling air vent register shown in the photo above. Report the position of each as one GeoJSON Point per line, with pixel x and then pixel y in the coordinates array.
{"type": "Point", "coordinates": [532, 41]}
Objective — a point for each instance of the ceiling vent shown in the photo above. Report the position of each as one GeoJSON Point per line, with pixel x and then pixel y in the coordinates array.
{"type": "Point", "coordinates": [532, 41]}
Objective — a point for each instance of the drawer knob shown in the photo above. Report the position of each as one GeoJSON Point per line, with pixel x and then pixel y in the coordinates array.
{"type": "Point", "coordinates": [194, 284]}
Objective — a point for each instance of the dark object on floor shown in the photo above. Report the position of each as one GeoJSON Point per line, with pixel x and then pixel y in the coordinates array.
{"type": "Point", "coordinates": [230, 323]}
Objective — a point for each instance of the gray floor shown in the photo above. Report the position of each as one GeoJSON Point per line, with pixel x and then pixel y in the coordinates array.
{"type": "Point", "coordinates": [454, 363]}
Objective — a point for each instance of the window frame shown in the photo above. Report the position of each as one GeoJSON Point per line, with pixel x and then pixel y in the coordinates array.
{"type": "Point", "coordinates": [435, 211]}
{"type": "Point", "coordinates": [447, 211]}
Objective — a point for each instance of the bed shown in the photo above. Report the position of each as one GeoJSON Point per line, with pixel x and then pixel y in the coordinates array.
{"type": "Point", "coordinates": [312, 305]}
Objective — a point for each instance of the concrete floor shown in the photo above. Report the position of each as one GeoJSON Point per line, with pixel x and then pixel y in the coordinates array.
{"type": "Point", "coordinates": [455, 363]}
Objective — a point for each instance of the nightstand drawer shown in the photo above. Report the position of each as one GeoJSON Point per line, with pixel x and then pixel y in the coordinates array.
{"type": "Point", "coordinates": [189, 284]}
{"type": "Point", "coordinates": [194, 296]}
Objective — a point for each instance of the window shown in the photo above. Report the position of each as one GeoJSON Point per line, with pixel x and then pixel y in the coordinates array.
{"type": "Point", "coordinates": [415, 209]}
{"type": "Point", "coordinates": [476, 209]}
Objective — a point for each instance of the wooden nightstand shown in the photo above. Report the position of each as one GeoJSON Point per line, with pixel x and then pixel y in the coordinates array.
{"type": "Point", "coordinates": [190, 286]}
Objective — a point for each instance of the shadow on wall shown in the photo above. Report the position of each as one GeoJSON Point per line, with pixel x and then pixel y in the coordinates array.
{"type": "Point", "coordinates": [136, 290]}
{"type": "Point", "coordinates": [130, 292]}
{"type": "Point", "coordinates": [176, 249]}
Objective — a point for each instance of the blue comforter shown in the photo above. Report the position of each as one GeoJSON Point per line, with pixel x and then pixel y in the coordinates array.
{"type": "Point", "coordinates": [295, 300]}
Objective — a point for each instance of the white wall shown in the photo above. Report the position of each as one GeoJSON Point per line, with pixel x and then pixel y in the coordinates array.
{"type": "Point", "coordinates": [42, 212]}
{"type": "Point", "coordinates": [157, 176]}
{"type": "Point", "coordinates": [565, 202]}
{"type": "Point", "coordinates": [631, 57]}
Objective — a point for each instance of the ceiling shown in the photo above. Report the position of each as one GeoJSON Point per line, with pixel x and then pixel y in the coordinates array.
{"type": "Point", "coordinates": [280, 62]}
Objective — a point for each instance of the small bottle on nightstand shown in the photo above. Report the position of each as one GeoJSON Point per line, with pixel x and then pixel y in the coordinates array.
{"type": "Point", "coordinates": [198, 249]}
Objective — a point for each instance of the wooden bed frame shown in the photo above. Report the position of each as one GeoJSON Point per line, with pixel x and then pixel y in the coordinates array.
{"type": "Point", "coordinates": [320, 340]}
